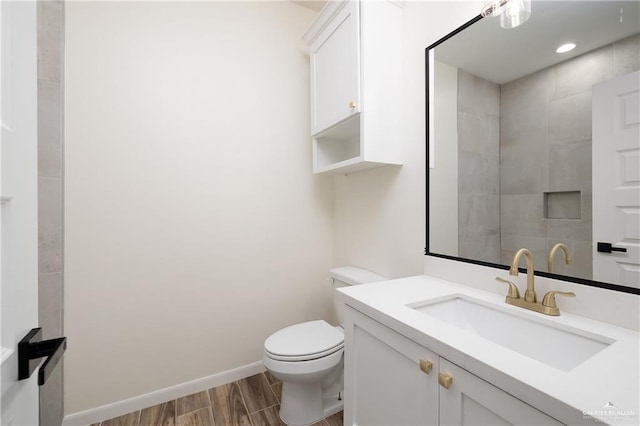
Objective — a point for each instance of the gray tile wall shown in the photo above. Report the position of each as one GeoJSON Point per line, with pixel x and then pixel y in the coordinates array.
{"type": "Point", "coordinates": [545, 146]}
{"type": "Point", "coordinates": [478, 168]}
{"type": "Point", "coordinates": [50, 194]}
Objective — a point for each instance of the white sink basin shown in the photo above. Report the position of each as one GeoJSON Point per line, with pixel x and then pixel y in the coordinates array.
{"type": "Point", "coordinates": [561, 348]}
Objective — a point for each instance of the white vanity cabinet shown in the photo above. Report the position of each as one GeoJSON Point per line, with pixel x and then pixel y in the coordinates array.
{"type": "Point", "coordinates": [473, 401]}
{"type": "Point", "coordinates": [391, 380]}
{"type": "Point", "coordinates": [356, 85]}
{"type": "Point", "coordinates": [383, 382]}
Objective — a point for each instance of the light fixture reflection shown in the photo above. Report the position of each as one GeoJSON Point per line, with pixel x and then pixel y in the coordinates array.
{"type": "Point", "coordinates": [566, 47]}
{"type": "Point", "coordinates": [516, 13]}
{"type": "Point", "coordinates": [494, 8]}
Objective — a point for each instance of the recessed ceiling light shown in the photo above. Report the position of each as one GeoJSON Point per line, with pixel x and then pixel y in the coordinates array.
{"type": "Point", "coordinates": [565, 48]}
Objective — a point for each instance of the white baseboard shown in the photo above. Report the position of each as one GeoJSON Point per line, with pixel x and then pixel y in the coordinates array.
{"type": "Point", "coordinates": [136, 403]}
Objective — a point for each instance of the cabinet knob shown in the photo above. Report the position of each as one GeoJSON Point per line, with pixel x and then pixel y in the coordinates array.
{"type": "Point", "coordinates": [426, 365]}
{"type": "Point", "coordinates": [445, 380]}
{"type": "Point", "coordinates": [352, 105]}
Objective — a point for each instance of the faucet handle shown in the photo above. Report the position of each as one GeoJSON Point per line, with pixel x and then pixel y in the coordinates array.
{"type": "Point", "coordinates": [513, 290]}
{"type": "Point", "coordinates": [549, 299]}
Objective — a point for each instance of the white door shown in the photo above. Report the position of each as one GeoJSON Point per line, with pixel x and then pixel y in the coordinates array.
{"type": "Point", "coordinates": [389, 379]}
{"type": "Point", "coordinates": [335, 69]}
{"type": "Point", "coordinates": [471, 401]}
{"type": "Point", "coordinates": [616, 180]}
{"type": "Point", "coordinates": [18, 220]}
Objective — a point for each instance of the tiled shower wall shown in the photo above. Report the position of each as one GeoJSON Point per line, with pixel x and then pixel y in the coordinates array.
{"type": "Point", "coordinates": [50, 194]}
{"type": "Point", "coordinates": [478, 168]}
{"type": "Point", "coordinates": [525, 159]}
{"type": "Point", "coordinates": [545, 147]}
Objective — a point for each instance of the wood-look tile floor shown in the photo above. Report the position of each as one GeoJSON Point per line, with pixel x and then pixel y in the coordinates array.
{"type": "Point", "coordinates": [254, 401]}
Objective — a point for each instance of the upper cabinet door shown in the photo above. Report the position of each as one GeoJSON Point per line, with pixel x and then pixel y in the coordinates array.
{"type": "Point", "coordinates": [335, 69]}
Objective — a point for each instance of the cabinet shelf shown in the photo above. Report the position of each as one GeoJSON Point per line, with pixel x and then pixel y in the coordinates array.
{"type": "Point", "coordinates": [337, 146]}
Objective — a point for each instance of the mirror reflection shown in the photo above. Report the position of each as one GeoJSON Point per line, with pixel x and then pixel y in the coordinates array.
{"type": "Point", "coordinates": [516, 157]}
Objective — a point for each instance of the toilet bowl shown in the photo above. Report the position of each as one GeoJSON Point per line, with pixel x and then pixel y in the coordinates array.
{"type": "Point", "coordinates": [308, 358]}
{"type": "Point", "coordinates": [304, 356]}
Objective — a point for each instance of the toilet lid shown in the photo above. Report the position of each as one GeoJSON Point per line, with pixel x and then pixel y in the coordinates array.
{"type": "Point", "coordinates": [307, 340]}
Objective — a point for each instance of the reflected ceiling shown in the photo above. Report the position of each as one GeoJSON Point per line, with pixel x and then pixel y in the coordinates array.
{"type": "Point", "coordinates": [552, 23]}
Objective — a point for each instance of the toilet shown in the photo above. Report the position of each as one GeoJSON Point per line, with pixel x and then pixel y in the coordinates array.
{"type": "Point", "coordinates": [308, 358]}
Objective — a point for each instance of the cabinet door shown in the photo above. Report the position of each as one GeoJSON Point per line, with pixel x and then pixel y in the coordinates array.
{"type": "Point", "coordinates": [335, 69]}
{"type": "Point", "coordinates": [472, 401]}
{"type": "Point", "coordinates": [384, 383]}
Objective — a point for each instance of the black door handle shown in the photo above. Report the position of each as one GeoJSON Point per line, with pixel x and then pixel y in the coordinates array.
{"type": "Point", "coordinates": [608, 248]}
{"type": "Point", "coordinates": [31, 348]}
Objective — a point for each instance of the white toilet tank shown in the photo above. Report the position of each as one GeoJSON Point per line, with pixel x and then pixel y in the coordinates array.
{"type": "Point", "coordinates": [350, 275]}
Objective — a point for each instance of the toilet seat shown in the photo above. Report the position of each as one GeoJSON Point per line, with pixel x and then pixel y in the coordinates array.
{"type": "Point", "coordinates": [304, 341]}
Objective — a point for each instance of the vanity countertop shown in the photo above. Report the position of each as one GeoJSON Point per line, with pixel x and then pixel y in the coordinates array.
{"type": "Point", "coordinates": [604, 388]}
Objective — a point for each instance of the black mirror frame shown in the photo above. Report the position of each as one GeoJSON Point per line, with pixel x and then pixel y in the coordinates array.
{"type": "Point", "coordinates": [583, 281]}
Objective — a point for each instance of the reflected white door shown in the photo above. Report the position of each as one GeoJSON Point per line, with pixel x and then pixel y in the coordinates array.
{"type": "Point", "coordinates": [18, 220]}
{"type": "Point", "coordinates": [616, 180]}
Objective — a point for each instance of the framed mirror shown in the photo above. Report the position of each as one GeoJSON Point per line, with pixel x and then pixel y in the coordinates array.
{"type": "Point", "coordinates": [517, 155]}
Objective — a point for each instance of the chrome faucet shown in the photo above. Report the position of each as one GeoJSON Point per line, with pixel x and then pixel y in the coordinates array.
{"type": "Point", "coordinates": [529, 301]}
{"type": "Point", "coordinates": [552, 253]}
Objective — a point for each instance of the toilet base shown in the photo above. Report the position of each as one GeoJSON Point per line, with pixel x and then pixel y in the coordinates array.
{"type": "Point", "coordinates": [303, 404]}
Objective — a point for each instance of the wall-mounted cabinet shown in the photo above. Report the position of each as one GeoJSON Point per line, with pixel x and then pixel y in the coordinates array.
{"type": "Point", "coordinates": [356, 85]}
{"type": "Point", "coordinates": [390, 379]}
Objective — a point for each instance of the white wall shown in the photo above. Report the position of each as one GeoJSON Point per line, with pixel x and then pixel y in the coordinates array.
{"type": "Point", "coordinates": [443, 208]}
{"type": "Point", "coordinates": [603, 305]}
{"type": "Point", "coordinates": [379, 220]}
{"type": "Point", "coordinates": [425, 23]}
{"type": "Point", "coordinates": [194, 225]}
{"type": "Point", "coordinates": [613, 307]}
